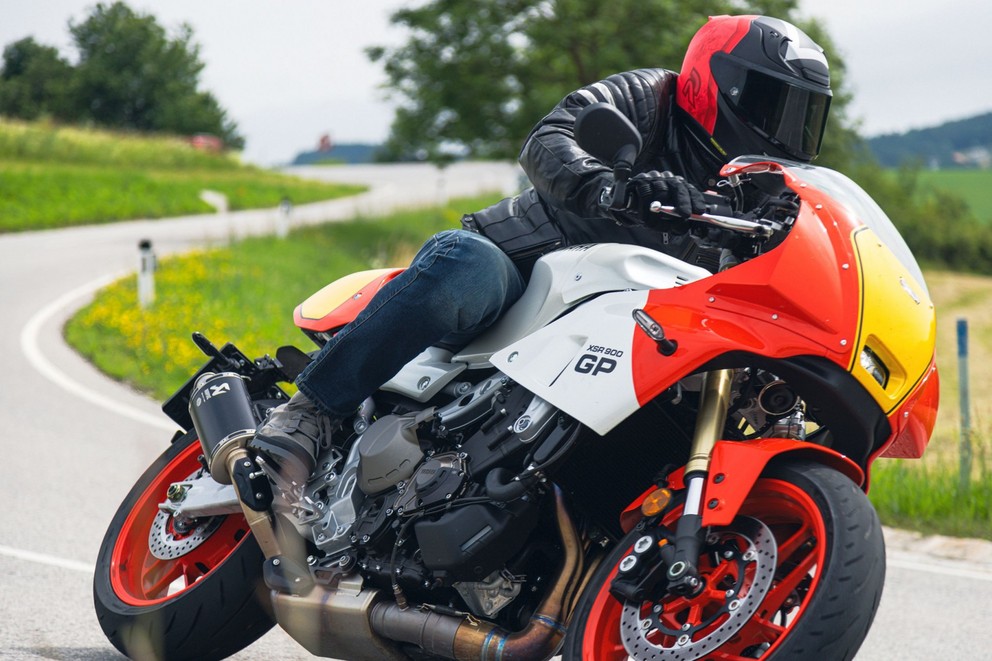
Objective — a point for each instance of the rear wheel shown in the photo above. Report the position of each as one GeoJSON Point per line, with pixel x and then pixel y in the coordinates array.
{"type": "Point", "coordinates": [798, 575]}
{"type": "Point", "coordinates": [171, 589]}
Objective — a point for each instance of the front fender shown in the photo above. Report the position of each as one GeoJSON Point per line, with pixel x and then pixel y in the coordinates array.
{"type": "Point", "coordinates": [735, 468]}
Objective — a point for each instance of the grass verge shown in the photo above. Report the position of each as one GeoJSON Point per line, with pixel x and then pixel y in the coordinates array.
{"type": "Point", "coordinates": [926, 495]}
{"type": "Point", "coordinates": [45, 141]}
{"type": "Point", "coordinates": [244, 293]}
{"type": "Point", "coordinates": [37, 196]}
{"type": "Point", "coordinates": [53, 176]}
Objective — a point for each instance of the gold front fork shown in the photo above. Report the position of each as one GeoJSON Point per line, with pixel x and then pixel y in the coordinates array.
{"type": "Point", "coordinates": [714, 402]}
{"type": "Point", "coordinates": [713, 406]}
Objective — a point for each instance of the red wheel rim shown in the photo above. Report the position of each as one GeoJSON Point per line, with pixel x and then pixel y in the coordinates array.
{"type": "Point", "coordinates": [795, 521]}
{"type": "Point", "coordinates": [138, 577]}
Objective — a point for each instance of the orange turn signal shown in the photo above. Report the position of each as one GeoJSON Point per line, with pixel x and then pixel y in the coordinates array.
{"type": "Point", "coordinates": [656, 502]}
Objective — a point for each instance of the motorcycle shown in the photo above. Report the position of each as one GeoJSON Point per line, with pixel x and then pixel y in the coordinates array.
{"type": "Point", "coordinates": [646, 458]}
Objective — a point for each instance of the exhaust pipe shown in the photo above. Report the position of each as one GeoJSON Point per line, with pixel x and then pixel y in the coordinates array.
{"type": "Point", "coordinates": [457, 638]}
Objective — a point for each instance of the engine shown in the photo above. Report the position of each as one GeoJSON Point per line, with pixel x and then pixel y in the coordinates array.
{"type": "Point", "coordinates": [445, 505]}
{"type": "Point", "coordinates": [437, 504]}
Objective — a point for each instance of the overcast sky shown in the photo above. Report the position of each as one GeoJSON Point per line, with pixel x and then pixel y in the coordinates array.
{"type": "Point", "coordinates": [291, 70]}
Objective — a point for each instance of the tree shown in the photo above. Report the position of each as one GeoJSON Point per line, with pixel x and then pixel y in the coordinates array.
{"type": "Point", "coordinates": [458, 75]}
{"type": "Point", "coordinates": [35, 81]}
{"type": "Point", "coordinates": [478, 74]}
{"type": "Point", "coordinates": [132, 74]}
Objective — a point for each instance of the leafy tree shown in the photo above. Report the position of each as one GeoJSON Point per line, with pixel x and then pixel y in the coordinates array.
{"type": "Point", "coordinates": [132, 74]}
{"type": "Point", "coordinates": [478, 74]}
{"type": "Point", "coordinates": [35, 81]}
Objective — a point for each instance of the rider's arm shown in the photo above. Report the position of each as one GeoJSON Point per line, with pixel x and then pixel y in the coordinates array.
{"type": "Point", "coordinates": [565, 174]}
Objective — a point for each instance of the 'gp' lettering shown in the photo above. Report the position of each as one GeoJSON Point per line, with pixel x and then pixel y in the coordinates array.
{"type": "Point", "coordinates": [594, 365]}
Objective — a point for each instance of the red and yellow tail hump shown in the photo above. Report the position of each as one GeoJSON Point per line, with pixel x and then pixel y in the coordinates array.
{"type": "Point", "coordinates": [341, 301]}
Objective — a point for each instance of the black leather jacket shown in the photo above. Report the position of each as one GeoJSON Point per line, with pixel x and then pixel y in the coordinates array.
{"type": "Point", "coordinates": [563, 206]}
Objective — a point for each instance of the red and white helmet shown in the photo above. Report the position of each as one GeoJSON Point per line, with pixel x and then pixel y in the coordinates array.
{"type": "Point", "coordinates": [756, 85]}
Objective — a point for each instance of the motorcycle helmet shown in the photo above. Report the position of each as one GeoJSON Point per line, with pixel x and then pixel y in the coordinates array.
{"type": "Point", "coordinates": [756, 85]}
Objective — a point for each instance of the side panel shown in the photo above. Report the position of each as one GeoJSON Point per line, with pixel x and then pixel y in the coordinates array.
{"type": "Point", "coordinates": [581, 363]}
{"type": "Point", "coordinates": [426, 375]}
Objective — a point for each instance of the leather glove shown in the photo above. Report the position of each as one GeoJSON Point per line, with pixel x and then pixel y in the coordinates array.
{"type": "Point", "coordinates": [647, 187]}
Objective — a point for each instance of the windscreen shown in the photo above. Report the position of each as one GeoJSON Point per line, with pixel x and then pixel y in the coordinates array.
{"type": "Point", "coordinates": [857, 201]}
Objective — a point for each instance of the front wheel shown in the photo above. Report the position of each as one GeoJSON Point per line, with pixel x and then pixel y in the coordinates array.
{"type": "Point", "coordinates": [798, 575]}
{"type": "Point", "coordinates": [168, 589]}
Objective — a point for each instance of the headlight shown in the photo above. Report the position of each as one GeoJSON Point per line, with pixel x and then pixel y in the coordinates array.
{"type": "Point", "coordinates": [874, 366]}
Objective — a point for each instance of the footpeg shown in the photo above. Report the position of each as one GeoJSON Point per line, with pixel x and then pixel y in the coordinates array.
{"type": "Point", "coordinates": [252, 485]}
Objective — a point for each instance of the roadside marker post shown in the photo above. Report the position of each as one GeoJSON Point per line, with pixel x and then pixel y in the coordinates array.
{"type": "Point", "coordinates": [146, 273]}
{"type": "Point", "coordinates": [964, 400]}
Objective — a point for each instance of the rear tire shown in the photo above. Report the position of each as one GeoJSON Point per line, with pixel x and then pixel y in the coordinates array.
{"type": "Point", "coordinates": [205, 600]}
{"type": "Point", "coordinates": [828, 576]}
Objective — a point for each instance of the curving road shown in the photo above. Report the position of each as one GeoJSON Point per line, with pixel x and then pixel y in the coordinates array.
{"type": "Point", "coordinates": [73, 442]}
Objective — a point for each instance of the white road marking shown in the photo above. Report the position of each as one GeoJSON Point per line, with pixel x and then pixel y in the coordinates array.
{"type": "Point", "coordinates": [929, 566]}
{"type": "Point", "coordinates": [43, 559]}
{"type": "Point", "coordinates": [32, 351]}
{"type": "Point", "coordinates": [935, 566]}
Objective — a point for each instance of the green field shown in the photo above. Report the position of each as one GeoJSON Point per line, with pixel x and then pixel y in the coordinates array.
{"type": "Point", "coordinates": [974, 186]}
{"type": "Point", "coordinates": [56, 176]}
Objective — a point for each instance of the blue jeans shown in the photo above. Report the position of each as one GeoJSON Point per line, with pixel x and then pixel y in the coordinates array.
{"type": "Point", "coordinates": [457, 286]}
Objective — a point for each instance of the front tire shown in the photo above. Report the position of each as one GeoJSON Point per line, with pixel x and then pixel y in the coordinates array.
{"type": "Point", "coordinates": [829, 568]}
{"type": "Point", "coordinates": [165, 591]}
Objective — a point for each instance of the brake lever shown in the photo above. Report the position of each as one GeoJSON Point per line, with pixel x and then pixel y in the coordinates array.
{"type": "Point", "coordinates": [725, 222]}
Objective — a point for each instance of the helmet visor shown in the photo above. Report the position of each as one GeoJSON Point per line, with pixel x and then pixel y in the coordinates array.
{"type": "Point", "coordinates": [790, 115]}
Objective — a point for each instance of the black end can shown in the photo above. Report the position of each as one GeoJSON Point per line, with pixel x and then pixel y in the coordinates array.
{"type": "Point", "coordinates": [223, 418]}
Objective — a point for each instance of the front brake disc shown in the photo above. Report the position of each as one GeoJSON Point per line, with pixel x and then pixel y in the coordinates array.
{"type": "Point", "coordinates": [646, 635]}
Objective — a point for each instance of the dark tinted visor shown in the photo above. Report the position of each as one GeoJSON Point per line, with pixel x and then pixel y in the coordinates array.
{"type": "Point", "coordinates": [792, 116]}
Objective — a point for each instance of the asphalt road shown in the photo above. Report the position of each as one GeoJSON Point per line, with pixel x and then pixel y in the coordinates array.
{"type": "Point", "coordinates": [73, 442]}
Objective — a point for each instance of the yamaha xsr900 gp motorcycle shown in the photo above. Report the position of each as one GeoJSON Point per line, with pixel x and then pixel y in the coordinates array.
{"type": "Point", "coordinates": [646, 458]}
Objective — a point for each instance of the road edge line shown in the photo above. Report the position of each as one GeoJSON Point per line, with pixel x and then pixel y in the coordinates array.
{"type": "Point", "coordinates": [31, 348]}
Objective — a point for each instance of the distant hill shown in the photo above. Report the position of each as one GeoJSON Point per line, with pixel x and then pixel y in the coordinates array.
{"type": "Point", "coordinates": [961, 143]}
{"type": "Point", "coordinates": [343, 153]}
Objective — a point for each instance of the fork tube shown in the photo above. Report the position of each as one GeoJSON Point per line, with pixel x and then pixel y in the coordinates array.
{"type": "Point", "coordinates": [713, 405]}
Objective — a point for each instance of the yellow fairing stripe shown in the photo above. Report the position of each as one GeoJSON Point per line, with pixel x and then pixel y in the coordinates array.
{"type": "Point", "coordinates": [898, 323]}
